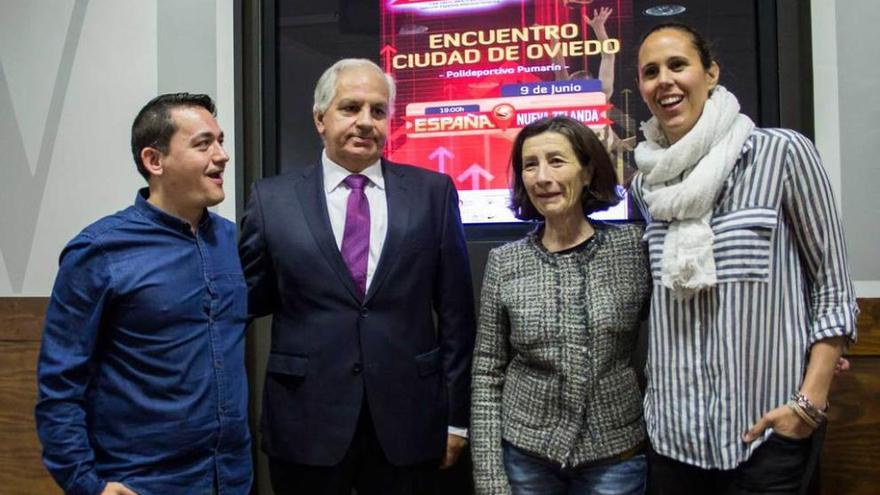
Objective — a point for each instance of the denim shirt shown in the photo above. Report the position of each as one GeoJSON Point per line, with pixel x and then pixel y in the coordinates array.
{"type": "Point", "coordinates": [141, 371]}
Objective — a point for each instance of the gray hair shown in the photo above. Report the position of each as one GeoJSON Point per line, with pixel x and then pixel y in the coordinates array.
{"type": "Point", "coordinates": [325, 90]}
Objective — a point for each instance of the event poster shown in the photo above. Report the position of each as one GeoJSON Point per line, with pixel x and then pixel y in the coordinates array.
{"type": "Point", "coordinates": [471, 73]}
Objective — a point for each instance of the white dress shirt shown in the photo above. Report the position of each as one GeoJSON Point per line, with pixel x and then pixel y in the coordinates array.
{"type": "Point", "coordinates": [337, 205]}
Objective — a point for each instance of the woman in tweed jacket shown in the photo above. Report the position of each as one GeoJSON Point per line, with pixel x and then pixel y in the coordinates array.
{"type": "Point", "coordinates": [556, 405]}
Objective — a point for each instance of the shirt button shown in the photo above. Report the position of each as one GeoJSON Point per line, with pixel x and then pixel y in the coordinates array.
{"type": "Point", "coordinates": [356, 369]}
{"type": "Point", "coordinates": [218, 364]}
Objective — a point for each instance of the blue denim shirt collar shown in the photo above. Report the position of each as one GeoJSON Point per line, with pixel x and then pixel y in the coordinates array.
{"type": "Point", "coordinates": [161, 217]}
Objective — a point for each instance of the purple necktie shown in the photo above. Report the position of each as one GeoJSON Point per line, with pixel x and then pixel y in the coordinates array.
{"type": "Point", "coordinates": [356, 236]}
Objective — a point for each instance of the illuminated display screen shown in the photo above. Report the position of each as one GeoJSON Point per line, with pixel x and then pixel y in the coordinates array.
{"type": "Point", "coordinates": [471, 73]}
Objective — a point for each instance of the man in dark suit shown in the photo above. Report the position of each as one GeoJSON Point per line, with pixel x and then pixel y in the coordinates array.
{"type": "Point", "coordinates": [354, 257]}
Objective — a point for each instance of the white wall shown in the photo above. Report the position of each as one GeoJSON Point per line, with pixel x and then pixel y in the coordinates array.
{"type": "Point", "coordinates": [73, 74]}
{"type": "Point", "coordinates": [847, 105]}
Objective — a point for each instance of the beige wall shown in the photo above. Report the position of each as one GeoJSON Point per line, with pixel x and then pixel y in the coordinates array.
{"type": "Point", "coordinates": [73, 73]}
{"type": "Point", "coordinates": [847, 107]}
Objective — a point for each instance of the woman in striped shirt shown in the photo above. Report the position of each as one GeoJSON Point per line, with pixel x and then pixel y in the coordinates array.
{"type": "Point", "coordinates": [752, 303]}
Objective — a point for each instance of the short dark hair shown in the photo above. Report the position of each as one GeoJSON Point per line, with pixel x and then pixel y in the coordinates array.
{"type": "Point", "coordinates": [600, 194]}
{"type": "Point", "coordinates": [153, 126]}
{"type": "Point", "coordinates": [703, 47]}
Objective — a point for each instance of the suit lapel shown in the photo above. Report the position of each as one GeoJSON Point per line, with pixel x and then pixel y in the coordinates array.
{"type": "Point", "coordinates": [310, 191]}
{"type": "Point", "coordinates": [398, 219]}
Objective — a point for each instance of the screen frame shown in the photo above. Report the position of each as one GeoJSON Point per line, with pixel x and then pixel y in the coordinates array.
{"type": "Point", "coordinates": [784, 61]}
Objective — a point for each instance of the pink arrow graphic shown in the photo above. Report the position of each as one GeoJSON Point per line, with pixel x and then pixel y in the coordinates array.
{"type": "Point", "coordinates": [474, 172]}
{"type": "Point", "coordinates": [388, 51]}
{"type": "Point", "coordinates": [441, 154]}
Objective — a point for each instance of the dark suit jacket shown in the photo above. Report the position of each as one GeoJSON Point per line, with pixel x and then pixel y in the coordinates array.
{"type": "Point", "coordinates": [329, 349]}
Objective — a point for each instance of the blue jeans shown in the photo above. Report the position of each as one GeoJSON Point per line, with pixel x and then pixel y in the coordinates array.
{"type": "Point", "coordinates": [530, 475]}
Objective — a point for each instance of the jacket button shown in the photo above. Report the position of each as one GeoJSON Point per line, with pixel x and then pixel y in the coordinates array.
{"type": "Point", "coordinates": [356, 368]}
{"type": "Point", "coordinates": [364, 312]}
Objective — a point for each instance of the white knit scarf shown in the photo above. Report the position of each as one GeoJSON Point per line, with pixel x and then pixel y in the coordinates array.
{"type": "Point", "coordinates": [681, 183]}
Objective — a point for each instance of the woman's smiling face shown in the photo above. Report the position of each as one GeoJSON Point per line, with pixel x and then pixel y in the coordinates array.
{"type": "Point", "coordinates": [673, 81]}
{"type": "Point", "coordinates": [553, 176]}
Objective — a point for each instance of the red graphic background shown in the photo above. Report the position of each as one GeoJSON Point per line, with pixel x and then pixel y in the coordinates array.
{"type": "Point", "coordinates": [406, 31]}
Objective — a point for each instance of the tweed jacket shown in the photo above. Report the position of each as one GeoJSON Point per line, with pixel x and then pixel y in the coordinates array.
{"type": "Point", "coordinates": [552, 366]}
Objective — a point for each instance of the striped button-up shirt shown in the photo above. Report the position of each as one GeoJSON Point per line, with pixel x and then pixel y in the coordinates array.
{"type": "Point", "coordinates": [719, 361]}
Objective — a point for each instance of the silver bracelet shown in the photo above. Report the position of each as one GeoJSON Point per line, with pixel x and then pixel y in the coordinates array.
{"type": "Point", "coordinates": [802, 414]}
{"type": "Point", "coordinates": [816, 414]}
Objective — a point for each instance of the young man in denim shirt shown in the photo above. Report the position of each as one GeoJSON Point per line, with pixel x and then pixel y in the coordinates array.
{"type": "Point", "coordinates": [142, 385]}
